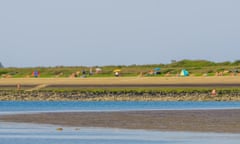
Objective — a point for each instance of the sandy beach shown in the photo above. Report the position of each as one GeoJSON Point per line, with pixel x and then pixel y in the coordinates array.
{"type": "Point", "coordinates": [123, 80]}
{"type": "Point", "coordinates": [214, 81]}
{"type": "Point", "coordinates": [190, 120]}
{"type": "Point", "coordinates": [224, 121]}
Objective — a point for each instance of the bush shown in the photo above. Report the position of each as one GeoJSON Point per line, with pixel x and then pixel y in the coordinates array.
{"type": "Point", "coordinates": [210, 71]}
{"type": "Point", "coordinates": [237, 62]}
{"type": "Point", "coordinates": [193, 63]}
{"type": "Point", "coordinates": [3, 72]}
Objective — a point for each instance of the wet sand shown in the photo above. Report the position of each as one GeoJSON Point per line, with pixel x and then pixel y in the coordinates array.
{"type": "Point", "coordinates": [224, 121]}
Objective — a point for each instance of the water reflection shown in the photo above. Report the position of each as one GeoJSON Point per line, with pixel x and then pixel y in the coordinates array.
{"type": "Point", "coordinates": [14, 133]}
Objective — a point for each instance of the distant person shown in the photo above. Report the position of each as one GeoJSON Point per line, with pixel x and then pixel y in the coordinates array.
{"type": "Point", "coordinates": [90, 71]}
{"type": "Point", "coordinates": [18, 86]}
{"type": "Point", "coordinates": [84, 72]}
{"type": "Point", "coordinates": [116, 74]}
{"type": "Point", "coordinates": [214, 92]}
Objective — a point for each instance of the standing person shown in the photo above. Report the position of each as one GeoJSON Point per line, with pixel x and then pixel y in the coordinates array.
{"type": "Point", "coordinates": [84, 73]}
{"type": "Point", "coordinates": [117, 74]}
{"type": "Point", "coordinates": [90, 71]}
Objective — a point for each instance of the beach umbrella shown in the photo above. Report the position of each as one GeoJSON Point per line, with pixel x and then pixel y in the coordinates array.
{"type": "Point", "coordinates": [117, 70]}
{"type": "Point", "coordinates": [157, 69]}
{"type": "Point", "coordinates": [98, 69]}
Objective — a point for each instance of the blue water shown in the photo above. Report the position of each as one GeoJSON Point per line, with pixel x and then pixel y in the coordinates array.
{"type": "Point", "coordinates": [26, 107]}
{"type": "Point", "coordinates": [15, 133]}
{"type": "Point", "coordinates": [12, 133]}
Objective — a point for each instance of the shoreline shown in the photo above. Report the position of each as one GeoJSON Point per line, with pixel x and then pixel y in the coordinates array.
{"type": "Point", "coordinates": [219, 121]}
{"type": "Point", "coordinates": [122, 94]}
{"type": "Point", "coordinates": [121, 89]}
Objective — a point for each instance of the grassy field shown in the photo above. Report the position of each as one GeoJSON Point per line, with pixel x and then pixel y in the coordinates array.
{"type": "Point", "coordinates": [194, 67]}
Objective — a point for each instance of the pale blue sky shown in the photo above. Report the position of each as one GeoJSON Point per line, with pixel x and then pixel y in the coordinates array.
{"type": "Point", "coordinates": [117, 32]}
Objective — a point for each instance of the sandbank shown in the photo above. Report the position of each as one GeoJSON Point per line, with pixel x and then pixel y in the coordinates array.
{"type": "Point", "coordinates": [222, 121]}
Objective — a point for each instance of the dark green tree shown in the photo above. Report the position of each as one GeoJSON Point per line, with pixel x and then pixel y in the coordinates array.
{"type": "Point", "coordinates": [237, 62]}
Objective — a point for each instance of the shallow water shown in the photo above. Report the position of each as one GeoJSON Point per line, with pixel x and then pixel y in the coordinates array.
{"type": "Point", "coordinates": [13, 133]}
{"type": "Point", "coordinates": [32, 107]}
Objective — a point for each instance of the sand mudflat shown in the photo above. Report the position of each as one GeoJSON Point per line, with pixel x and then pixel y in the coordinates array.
{"type": "Point", "coordinates": [165, 120]}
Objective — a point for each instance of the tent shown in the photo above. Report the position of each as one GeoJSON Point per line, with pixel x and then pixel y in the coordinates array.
{"type": "Point", "coordinates": [184, 73]}
{"type": "Point", "coordinates": [36, 74]}
{"type": "Point", "coordinates": [98, 70]}
{"type": "Point", "coordinates": [157, 70]}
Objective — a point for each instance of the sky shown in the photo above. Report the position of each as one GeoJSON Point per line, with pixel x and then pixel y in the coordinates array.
{"type": "Point", "coordinates": [117, 32]}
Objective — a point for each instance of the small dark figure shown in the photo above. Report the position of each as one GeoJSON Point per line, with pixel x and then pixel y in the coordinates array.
{"type": "Point", "coordinates": [84, 72]}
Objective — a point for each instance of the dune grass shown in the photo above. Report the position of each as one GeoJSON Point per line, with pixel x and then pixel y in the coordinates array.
{"type": "Point", "coordinates": [195, 68]}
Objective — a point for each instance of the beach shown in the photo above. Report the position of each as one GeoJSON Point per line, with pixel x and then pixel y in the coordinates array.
{"type": "Point", "coordinates": [220, 81]}
{"type": "Point", "coordinates": [223, 121]}
{"type": "Point", "coordinates": [220, 121]}
{"type": "Point", "coordinates": [121, 89]}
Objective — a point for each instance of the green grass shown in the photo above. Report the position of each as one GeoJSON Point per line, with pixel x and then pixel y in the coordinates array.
{"type": "Point", "coordinates": [143, 90]}
{"type": "Point", "coordinates": [132, 90]}
{"type": "Point", "coordinates": [195, 67]}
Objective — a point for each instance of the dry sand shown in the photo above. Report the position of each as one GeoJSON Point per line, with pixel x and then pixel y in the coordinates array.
{"type": "Point", "coordinates": [227, 121]}
{"type": "Point", "coordinates": [122, 80]}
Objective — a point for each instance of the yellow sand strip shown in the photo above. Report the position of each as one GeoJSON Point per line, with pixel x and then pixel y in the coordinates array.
{"type": "Point", "coordinates": [37, 87]}
{"type": "Point", "coordinates": [122, 80]}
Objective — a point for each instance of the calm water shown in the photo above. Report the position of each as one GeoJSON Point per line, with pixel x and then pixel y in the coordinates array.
{"type": "Point", "coordinates": [28, 107]}
{"type": "Point", "coordinates": [14, 133]}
